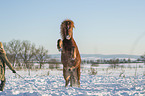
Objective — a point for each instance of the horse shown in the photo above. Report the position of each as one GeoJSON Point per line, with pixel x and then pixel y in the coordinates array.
{"type": "Point", "coordinates": [70, 56]}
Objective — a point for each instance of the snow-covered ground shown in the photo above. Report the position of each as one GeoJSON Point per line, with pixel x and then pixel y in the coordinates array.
{"type": "Point", "coordinates": [95, 80]}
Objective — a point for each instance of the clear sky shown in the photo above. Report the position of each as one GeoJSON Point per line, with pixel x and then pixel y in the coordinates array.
{"type": "Point", "coordinates": [101, 26]}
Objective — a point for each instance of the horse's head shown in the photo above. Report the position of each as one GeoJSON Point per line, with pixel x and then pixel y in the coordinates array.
{"type": "Point", "coordinates": [67, 29]}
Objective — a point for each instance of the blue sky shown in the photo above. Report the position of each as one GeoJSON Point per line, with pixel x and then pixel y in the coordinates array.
{"type": "Point", "coordinates": [101, 26]}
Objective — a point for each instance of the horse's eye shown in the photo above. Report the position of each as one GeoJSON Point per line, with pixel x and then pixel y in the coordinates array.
{"type": "Point", "coordinates": [69, 69]}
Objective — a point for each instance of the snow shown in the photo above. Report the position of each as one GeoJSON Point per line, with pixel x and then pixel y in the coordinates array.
{"type": "Point", "coordinates": [95, 80]}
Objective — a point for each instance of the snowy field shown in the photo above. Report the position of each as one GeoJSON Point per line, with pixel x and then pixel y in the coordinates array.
{"type": "Point", "coordinates": [95, 80]}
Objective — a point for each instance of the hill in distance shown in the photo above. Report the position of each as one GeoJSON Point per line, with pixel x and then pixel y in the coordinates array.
{"type": "Point", "coordinates": [101, 56]}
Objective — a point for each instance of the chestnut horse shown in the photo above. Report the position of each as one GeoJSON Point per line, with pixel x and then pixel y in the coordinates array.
{"type": "Point", "coordinates": [70, 56]}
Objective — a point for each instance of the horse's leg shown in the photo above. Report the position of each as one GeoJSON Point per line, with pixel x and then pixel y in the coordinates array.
{"type": "Point", "coordinates": [73, 52]}
{"type": "Point", "coordinates": [66, 76]}
{"type": "Point", "coordinates": [67, 81]}
{"type": "Point", "coordinates": [75, 73]}
{"type": "Point", "coordinates": [73, 77]}
{"type": "Point", "coordinates": [78, 75]}
{"type": "Point", "coordinates": [59, 44]}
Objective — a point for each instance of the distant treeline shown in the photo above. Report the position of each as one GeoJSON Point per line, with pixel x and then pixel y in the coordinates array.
{"type": "Point", "coordinates": [114, 61]}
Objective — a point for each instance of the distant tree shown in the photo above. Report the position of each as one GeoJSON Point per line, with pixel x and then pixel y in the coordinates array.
{"type": "Point", "coordinates": [98, 61]}
{"type": "Point", "coordinates": [138, 59]}
{"type": "Point", "coordinates": [27, 52]}
{"type": "Point", "coordinates": [41, 55]}
{"type": "Point", "coordinates": [12, 49]}
{"type": "Point", "coordinates": [143, 58]}
{"type": "Point", "coordinates": [5, 47]}
{"type": "Point", "coordinates": [124, 61]}
{"type": "Point", "coordinates": [114, 63]}
{"type": "Point", "coordinates": [104, 61]}
{"type": "Point", "coordinates": [117, 61]}
{"type": "Point", "coordinates": [83, 61]}
{"type": "Point", "coordinates": [129, 61]}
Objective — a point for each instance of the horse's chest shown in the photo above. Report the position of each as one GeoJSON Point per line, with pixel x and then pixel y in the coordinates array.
{"type": "Point", "coordinates": [68, 46]}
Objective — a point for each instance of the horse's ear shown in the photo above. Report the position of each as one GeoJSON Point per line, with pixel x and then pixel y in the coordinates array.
{"type": "Point", "coordinates": [73, 26]}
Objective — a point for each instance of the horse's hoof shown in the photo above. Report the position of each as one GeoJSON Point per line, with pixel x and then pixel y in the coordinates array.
{"type": "Point", "coordinates": [60, 49]}
{"type": "Point", "coordinates": [73, 58]}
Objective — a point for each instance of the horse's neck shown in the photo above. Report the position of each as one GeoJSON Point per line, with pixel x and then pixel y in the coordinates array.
{"type": "Point", "coordinates": [69, 43]}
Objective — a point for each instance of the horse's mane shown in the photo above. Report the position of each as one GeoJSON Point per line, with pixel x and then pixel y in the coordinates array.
{"type": "Point", "coordinates": [63, 26]}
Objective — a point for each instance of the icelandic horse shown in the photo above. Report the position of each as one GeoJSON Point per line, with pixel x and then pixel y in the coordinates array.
{"type": "Point", "coordinates": [70, 56]}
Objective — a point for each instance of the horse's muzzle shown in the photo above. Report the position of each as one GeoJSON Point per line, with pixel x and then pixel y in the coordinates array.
{"type": "Point", "coordinates": [68, 37]}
